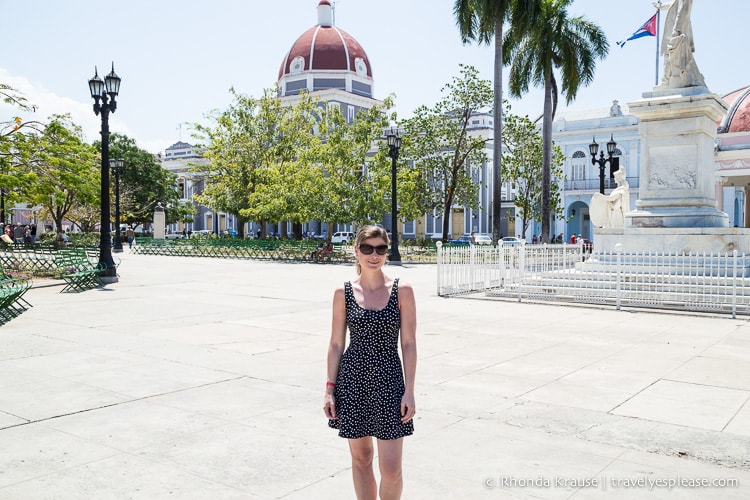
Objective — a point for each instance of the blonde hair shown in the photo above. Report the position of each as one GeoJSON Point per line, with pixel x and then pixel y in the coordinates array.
{"type": "Point", "coordinates": [367, 232]}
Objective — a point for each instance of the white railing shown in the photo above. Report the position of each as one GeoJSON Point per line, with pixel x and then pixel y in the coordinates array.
{"type": "Point", "coordinates": [466, 269]}
{"type": "Point", "coordinates": [717, 282]}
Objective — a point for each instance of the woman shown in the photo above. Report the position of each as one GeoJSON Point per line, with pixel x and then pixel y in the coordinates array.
{"type": "Point", "coordinates": [367, 393]}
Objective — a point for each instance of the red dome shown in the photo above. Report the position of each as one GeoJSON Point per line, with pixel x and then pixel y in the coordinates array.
{"type": "Point", "coordinates": [738, 116]}
{"type": "Point", "coordinates": [326, 48]}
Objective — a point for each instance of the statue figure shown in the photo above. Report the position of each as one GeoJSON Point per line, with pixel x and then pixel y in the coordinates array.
{"type": "Point", "coordinates": [609, 211]}
{"type": "Point", "coordinates": [615, 109]}
{"type": "Point", "coordinates": [677, 47]}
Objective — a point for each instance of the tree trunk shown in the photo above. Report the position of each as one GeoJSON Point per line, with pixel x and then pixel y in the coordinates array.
{"type": "Point", "coordinates": [497, 136]}
{"type": "Point", "coordinates": [297, 230]}
{"type": "Point", "coordinates": [546, 157]}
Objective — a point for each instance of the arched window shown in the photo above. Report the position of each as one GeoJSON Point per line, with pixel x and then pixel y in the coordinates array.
{"type": "Point", "coordinates": [578, 166]}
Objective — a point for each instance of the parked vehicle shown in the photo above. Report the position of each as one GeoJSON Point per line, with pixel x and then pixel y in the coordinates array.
{"type": "Point", "coordinates": [511, 240]}
{"type": "Point", "coordinates": [462, 240]}
{"type": "Point", "coordinates": [588, 245]}
{"type": "Point", "coordinates": [482, 239]}
{"type": "Point", "coordinates": [437, 236]}
{"type": "Point", "coordinates": [342, 237]}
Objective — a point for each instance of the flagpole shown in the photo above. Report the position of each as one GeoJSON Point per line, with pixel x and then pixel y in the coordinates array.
{"type": "Point", "coordinates": [658, 16]}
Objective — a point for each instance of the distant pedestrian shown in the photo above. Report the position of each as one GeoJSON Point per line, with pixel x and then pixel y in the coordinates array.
{"type": "Point", "coordinates": [18, 233]}
{"type": "Point", "coordinates": [573, 239]}
{"type": "Point", "coordinates": [130, 235]}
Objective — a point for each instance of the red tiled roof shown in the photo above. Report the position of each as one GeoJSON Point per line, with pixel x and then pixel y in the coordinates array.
{"type": "Point", "coordinates": [329, 47]}
{"type": "Point", "coordinates": [738, 116]}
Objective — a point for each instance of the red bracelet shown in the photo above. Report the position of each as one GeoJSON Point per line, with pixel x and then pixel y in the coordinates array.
{"type": "Point", "coordinates": [330, 384]}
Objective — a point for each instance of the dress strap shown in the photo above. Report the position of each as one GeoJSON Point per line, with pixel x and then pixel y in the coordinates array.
{"type": "Point", "coordinates": [394, 293]}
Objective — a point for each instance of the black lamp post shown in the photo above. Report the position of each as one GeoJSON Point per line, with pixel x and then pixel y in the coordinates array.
{"type": "Point", "coordinates": [394, 144]}
{"type": "Point", "coordinates": [104, 93]}
{"type": "Point", "coordinates": [117, 166]}
{"type": "Point", "coordinates": [602, 161]}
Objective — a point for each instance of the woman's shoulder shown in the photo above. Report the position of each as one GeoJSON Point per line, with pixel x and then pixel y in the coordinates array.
{"type": "Point", "coordinates": [339, 294]}
{"type": "Point", "coordinates": [403, 286]}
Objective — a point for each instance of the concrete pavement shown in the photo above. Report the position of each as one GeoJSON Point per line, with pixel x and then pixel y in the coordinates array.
{"type": "Point", "coordinates": [202, 378]}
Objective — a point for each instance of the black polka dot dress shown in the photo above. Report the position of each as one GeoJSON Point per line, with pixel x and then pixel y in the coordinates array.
{"type": "Point", "coordinates": [370, 382]}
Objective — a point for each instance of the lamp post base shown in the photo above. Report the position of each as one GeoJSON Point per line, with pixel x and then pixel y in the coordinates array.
{"type": "Point", "coordinates": [109, 275]}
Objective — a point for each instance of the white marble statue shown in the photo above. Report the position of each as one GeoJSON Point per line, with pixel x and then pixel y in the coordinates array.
{"type": "Point", "coordinates": [677, 47]}
{"type": "Point", "coordinates": [608, 211]}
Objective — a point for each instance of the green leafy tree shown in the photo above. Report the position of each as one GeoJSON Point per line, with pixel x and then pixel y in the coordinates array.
{"type": "Point", "coordinates": [182, 211]}
{"type": "Point", "coordinates": [482, 20]}
{"type": "Point", "coordinates": [290, 182]}
{"type": "Point", "coordinates": [354, 168]}
{"type": "Point", "coordinates": [85, 216]}
{"type": "Point", "coordinates": [143, 183]}
{"type": "Point", "coordinates": [553, 41]}
{"type": "Point", "coordinates": [442, 148]}
{"type": "Point", "coordinates": [16, 148]}
{"type": "Point", "coordinates": [252, 148]}
{"type": "Point", "coordinates": [66, 169]}
{"type": "Point", "coordinates": [522, 166]}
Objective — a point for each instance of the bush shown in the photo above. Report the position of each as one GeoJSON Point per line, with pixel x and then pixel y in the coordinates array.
{"type": "Point", "coordinates": [48, 237]}
{"type": "Point", "coordinates": [90, 240]}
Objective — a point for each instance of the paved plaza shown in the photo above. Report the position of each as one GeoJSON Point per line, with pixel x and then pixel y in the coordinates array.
{"type": "Point", "coordinates": [204, 379]}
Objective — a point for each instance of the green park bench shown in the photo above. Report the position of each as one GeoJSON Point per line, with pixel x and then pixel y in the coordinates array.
{"type": "Point", "coordinates": [12, 302]}
{"type": "Point", "coordinates": [78, 272]}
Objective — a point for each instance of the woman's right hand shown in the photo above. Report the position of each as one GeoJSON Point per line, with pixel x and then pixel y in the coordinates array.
{"type": "Point", "coordinates": [329, 406]}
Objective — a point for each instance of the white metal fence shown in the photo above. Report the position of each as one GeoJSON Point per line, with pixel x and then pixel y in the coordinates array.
{"type": "Point", "coordinates": [716, 282]}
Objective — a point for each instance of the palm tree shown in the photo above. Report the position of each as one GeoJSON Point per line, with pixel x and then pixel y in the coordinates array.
{"type": "Point", "coordinates": [554, 41]}
{"type": "Point", "coordinates": [482, 21]}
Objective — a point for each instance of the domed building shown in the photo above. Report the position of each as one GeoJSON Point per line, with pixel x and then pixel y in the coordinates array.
{"type": "Point", "coordinates": [733, 158]}
{"type": "Point", "coordinates": [329, 62]}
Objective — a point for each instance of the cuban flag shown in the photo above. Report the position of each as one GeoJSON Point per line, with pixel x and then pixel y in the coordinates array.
{"type": "Point", "coordinates": [648, 29]}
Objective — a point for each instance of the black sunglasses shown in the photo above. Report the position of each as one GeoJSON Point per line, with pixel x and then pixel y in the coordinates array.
{"type": "Point", "coordinates": [368, 249]}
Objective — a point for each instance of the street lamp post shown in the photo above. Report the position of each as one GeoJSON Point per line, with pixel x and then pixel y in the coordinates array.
{"type": "Point", "coordinates": [602, 161]}
{"type": "Point", "coordinates": [394, 144]}
{"type": "Point", "coordinates": [117, 166]}
{"type": "Point", "coordinates": [104, 93]}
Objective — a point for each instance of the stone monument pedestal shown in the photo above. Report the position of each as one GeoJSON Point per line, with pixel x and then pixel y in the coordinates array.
{"type": "Point", "coordinates": [677, 178]}
{"type": "Point", "coordinates": [160, 222]}
{"type": "Point", "coordinates": [676, 210]}
{"type": "Point", "coordinates": [673, 240]}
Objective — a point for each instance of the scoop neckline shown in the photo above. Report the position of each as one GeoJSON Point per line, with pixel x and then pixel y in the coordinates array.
{"type": "Point", "coordinates": [390, 297]}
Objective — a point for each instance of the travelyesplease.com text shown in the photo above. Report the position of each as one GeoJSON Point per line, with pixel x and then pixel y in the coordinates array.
{"type": "Point", "coordinates": [604, 483]}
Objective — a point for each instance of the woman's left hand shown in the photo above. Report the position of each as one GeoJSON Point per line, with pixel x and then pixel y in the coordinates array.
{"type": "Point", "coordinates": [408, 408]}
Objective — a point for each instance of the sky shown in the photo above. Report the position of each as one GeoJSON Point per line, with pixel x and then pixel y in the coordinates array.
{"type": "Point", "coordinates": [179, 58]}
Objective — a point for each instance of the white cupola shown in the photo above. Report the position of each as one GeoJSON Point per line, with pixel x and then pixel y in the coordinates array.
{"type": "Point", "coordinates": [325, 13]}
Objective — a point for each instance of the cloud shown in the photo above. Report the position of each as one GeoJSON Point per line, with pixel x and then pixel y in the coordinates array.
{"type": "Point", "coordinates": [48, 103]}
